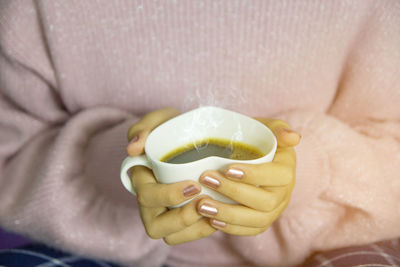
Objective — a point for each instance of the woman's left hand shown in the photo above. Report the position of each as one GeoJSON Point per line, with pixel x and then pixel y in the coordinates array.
{"type": "Point", "coordinates": [263, 190]}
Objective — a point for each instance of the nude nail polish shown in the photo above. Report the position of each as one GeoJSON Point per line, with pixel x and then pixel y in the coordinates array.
{"type": "Point", "coordinates": [208, 210]}
{"type": "Point", "coordinates": [134, 139]}
{"type": "Point", "coordinates": [234, 173]}
{"type": "Point", "coordinates": [218, 224]}
{"type": "Point", "coordinates": [191, 190]}
{"type": "Point", "coordinates": [210, 182]}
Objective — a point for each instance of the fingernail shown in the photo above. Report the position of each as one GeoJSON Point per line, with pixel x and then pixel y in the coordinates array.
{"type": "Point", "coordinates": [208, 210]}
{"type": "Point", "coordinates": [211, 182]}
{"type": "Point", "coordinates": [290, 131]}
{"type": "Point", "coordinates": [234, 173]}
{"type": "Point", "coordinates": [218, 224]}
{"type": "Point", "coordinates": [134, 139]}
{"type": "Point", "coordinates": [191, 190]}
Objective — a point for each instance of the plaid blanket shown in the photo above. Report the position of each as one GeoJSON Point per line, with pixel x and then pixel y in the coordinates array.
{"type": "Point", "coordinates": [42, 256]}
{"type": "Point", "coordinates": [386, 253]}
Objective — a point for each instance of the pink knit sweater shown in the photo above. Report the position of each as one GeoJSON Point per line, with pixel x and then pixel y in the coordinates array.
{"type": "Point", "coordinates": [74, 75]}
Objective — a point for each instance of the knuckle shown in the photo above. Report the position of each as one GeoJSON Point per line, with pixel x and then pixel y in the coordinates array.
{"type": "Point", "coordinates": [185, 217]}
{"type": "Point", "coordinates": [269, 203]}
{"type": "Point", "coordinates": [275, 201]}
{"type": "Point", "coordinates": [204, 231]}
{"type": "Point", "coordinates": [261, 220]}
{"type": "Point", "coordinates": [232, 217]}
{"type": "Point", "coordinates": [267, 208]}
{"type": "Point", "coordinates": [169, 241]}
{"type": "Point", "coordinates": [232, 189]}
{"type": "Point", "coordinates": [172, 197]}
{"type": "Point", "coordinates": [141, 199]}
{"type": "Point", "coordinates": [152, 232]}
{"type": "Point", "coordinates": [286, 175]}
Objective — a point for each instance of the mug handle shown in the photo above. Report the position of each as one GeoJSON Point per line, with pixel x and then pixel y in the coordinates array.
{"type": "Point", "coordinates": [128, 163]}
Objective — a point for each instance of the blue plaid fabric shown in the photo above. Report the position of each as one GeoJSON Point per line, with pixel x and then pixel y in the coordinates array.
{"type": "Point", "coordinates": [42, 256]}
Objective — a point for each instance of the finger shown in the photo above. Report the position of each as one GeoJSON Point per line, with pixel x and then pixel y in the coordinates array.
{"type": "Point", "coordinates": [198, 230]}
{"type": "Point", "coordinates": [234, 229]}
{"type": "Point", "coordinates": [280, 172]}
{"type": "Point", "coordinates": [136, 145]}
{"type": "Point", "coordinates": [137, 133]}
{"type": "Point", "coordinates": [159, 225]}
{"type": "Point", "coordinates": [238, 214]}
{"type": "Point", "coordinates": [152, 194]}
{"type": "Point", "coordinates": [285, 136]}
{"type": "Point", "coordinates": [251, 196]}
{"type": "Point", "coordinates": [152, 120]}
{"type": "Point", "coordinates": [233, 214]}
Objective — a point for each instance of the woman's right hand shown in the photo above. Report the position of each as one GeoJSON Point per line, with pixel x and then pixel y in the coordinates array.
{"type": "Point", "coordinates": [177, 225]}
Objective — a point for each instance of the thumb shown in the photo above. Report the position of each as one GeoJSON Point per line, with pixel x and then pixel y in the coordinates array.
{"type": "Point", "coordinates": [137, 133]}
{"type": "Point", "coordinates": [285, 136]}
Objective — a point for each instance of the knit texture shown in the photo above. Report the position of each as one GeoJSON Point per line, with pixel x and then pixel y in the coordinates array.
{"type": "Point", "coordinates": [74, 75]}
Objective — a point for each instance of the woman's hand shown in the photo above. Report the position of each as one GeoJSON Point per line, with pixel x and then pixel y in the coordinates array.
{"type": "Point", "coordinates": [175, 226]}
{"type": "Point", "coordinates": [263, 190]}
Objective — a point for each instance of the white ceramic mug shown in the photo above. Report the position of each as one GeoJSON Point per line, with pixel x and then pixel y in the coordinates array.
{"type": "Point", "coordinates": [191, 127]}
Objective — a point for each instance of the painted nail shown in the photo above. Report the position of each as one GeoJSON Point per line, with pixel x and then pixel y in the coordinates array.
{"type": "Point", "coordinates": [234, 173]}
{"type": "Point", "coordinates": [191, 190]}
{"type": "Point", "coordinates": [208, 210]}
{"type": "Point", "coordinates": [211, 182]}
{"type": "Point", "coordinates": [218, 224]}
{"type": "Point", "coordinates": [134, 139]}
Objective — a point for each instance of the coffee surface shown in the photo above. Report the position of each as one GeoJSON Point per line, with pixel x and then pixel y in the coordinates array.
{"type": "Point", "coordinates": [212, 147]}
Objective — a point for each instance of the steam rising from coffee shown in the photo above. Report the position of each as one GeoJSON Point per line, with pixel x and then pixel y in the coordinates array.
{"type": "Point", "coordinates": [211, 120]}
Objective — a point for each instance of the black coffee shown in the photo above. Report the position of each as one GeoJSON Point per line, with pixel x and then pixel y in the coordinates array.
{"type": "Point", "coordinates": [212, 147]}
